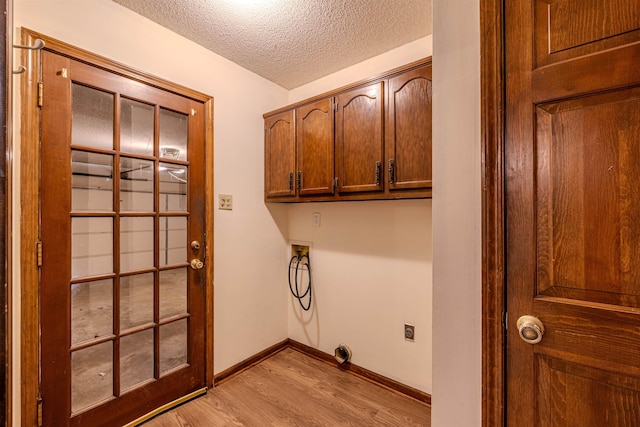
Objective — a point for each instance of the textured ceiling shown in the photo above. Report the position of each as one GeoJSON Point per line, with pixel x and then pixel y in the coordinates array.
{"type": "Point", "coordinates": [292, 42]}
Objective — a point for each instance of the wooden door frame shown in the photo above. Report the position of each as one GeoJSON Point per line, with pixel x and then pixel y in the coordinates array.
{"type": "Point", "coordinates": [492, 77]}
{"type": "Point", "coordinates": [29, 199]}
{"type": "Point", "coordinates": [6, 28]}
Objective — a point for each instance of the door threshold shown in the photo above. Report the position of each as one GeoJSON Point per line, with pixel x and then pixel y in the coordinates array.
{"type": "Point", "coordinates": [167, 407]}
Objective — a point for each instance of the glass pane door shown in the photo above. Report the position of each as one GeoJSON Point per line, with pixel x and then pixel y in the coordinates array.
{"type": "Point", "coordinates": [134, 300]}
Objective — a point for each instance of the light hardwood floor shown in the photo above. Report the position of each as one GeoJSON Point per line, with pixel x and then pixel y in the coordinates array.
{"type": "Point", "coordinates": [293, 389]}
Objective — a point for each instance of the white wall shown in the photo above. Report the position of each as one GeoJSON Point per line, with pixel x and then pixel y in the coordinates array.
{"type": "Point", "coordinates": [457, 328]}
{"type": "Point", "coordinates": [371, 263]}
{"type": "Point", "coordinates": [250, 299]}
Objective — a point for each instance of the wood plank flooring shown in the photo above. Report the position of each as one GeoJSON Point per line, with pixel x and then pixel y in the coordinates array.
{"type": "Point", "coordinates": [293, 389]}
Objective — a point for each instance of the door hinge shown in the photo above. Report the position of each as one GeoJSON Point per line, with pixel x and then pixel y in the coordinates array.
{"type": "Point", "coordinates": [335, 182]}
{"type": "Point", "coordinates": [39, 411]}
{"type": "Point", "coordinates": [40, 94]}
{"type": "Point", "coordinates": [39, 253]}
{"type": "Point", "coordinates": [505, 318]}
{"type": "Point", "coordinates": [335, 107]}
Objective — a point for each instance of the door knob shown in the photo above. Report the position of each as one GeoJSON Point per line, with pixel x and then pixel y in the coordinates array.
{"type": "Point", "coordinates": [196, 264]}
{"type": "Point", "coordinates": [530, 329]}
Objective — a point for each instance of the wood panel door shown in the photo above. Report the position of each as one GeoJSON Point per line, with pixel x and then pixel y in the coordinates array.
{"type": "Point", "coordinates": [359, 139]}
{"type": "Point", "coordinates": [573, 211]}
{"type": "Point", "coordinates": [280, 155]}
{"type": "Point", "coordinates": [122, 308]}
{"type": "Point", "coordinates": [315, 151]}
{"type": "Point", "coordinates": [408, 128]}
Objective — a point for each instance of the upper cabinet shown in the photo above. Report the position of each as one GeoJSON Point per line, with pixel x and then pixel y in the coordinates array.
{"type": "Point", "coordinates": [408, 139]}
{"type": "Point", "coordinates": [365, 141]}
{"type": "Point", "coordinates": [279, 155]}
{"type": "Point", "coordinates": [314, 142]}
{"type": "Point", "coordinates": [359, 139]}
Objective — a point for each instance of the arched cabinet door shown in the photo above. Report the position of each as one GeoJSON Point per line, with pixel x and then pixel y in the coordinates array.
{"type": "Point", "coordinates": [314, 137]}
{"type": "Point", "coordinates": [280, 155]}
{"type": "Point", "coordinates": [359, 139]}
{"type": "Point", "coordinates": [408, 139]}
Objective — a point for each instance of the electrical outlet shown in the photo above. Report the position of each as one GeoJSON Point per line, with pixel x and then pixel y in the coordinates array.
{"type": "Point", "coordinates": [316, 219]}
{"type": "Point", "coordinates": [409, 332]}
{"type": "Point", "coordinates": [225, 202]}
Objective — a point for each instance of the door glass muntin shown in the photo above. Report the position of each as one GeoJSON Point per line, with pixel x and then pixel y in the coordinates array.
{"type": "Point", "coordinates": [139, 171]}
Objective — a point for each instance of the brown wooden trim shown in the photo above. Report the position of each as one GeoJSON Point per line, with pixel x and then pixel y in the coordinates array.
{"type": "Point", "coordinates": [391, 195]}
{"type": "Point", "coordinates": [209, 197]}
{"type": "Point", "coordinates": [492, 128]}
{"type": "Point", "coordinates": [7, 62]}
{"type": "Point", "coordinates": [65, 49]}
{"type": "Point", "coordinates": [363, 373]}
{"type": "Point", "coordinates": [618, 70]}
{"type": "Point", "coordinates": [249, 362]}
{"type": "Point", "coordinates": [29, 201]}
{"type": "Point", "coordinates": [381, 76]}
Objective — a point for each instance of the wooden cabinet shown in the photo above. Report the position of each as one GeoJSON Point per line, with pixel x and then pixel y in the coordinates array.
{"type": "Point", "coordinates": [314, 143]}
{"type": "Point", "coordinates": [408, 142]}
{"type": "Point", "coordinates": [370, 140]}
{"type": "Point", "coordinates": [359, 138]}
{"type": "Point", "coordinates": [279, 155]}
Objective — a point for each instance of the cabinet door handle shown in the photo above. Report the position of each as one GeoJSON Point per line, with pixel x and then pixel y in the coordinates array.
{"type": "Point", "coordinates": [378, 167]}
{"type": "Point", "coordinates": [299, 183]}
{"type": "Point", "coordinates": [290, 181]}
{"type": "Point", "coordinates": [392, 171]}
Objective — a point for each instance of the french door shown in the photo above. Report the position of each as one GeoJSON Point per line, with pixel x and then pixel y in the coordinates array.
{"type": "Point", "coordinates": [122, 286]}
